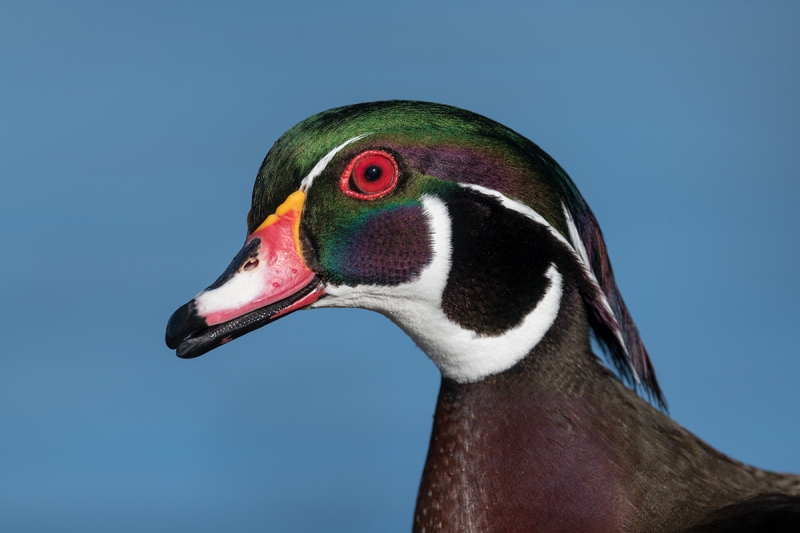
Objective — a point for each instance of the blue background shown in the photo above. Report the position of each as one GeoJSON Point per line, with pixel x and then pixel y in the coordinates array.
{"type": "Point", "coordinates": [130, 136]}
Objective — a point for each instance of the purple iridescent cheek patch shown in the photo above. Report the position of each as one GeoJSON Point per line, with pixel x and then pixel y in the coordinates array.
{"type": "Point", "coordinates": [388, 248]}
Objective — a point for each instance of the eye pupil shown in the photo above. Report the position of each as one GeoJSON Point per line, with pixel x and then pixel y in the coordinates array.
{"type": "Point", "coordinates": [373, 173]}
{"type": "Point", "coordinates": [370, 175]}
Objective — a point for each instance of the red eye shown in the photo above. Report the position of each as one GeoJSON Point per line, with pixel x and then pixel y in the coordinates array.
{"type": "Point", "coordinates": [370, 175]}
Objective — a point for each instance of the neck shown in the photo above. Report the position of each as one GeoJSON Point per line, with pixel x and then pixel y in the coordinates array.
{"type": "Point", "coordinates": [556, 443]}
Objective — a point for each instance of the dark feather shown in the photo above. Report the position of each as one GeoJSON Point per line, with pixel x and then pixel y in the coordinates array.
{"type": "Point", "coordinates": [774, 513]}
{"type": "Point", "coordinates": [632, 356]}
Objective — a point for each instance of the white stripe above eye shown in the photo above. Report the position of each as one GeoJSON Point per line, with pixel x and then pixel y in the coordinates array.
{"type": "Point", "coordinates": [576, 246]}
{"type": "Point", "coordinates": [305, 185]}
{"type": "Point", "coordinates": [461, 354]}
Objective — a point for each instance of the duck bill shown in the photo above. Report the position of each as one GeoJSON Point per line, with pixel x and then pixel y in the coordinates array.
{"type": "Point", "coordinates": [267, 279]}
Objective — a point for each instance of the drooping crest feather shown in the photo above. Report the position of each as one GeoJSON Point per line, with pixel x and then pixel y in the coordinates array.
{"type": "Point", "coordinates": [611, 322]}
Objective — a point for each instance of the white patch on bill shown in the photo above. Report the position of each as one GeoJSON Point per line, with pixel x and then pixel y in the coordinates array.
{"type": "Point", "coordinates": [243, 288]}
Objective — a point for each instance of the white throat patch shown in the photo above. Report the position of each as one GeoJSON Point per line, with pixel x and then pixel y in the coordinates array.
{"type": "Point", "coordinates": [461, 354]}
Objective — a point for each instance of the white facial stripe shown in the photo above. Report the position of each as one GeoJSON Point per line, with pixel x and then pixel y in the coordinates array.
{"type": "Point", "coordinates": [576, 247]}
{"type": "Point", "coordinates": [305, 185]}
{"type": "Point", "coordinates": [577, 242]}
{"type": "Point", "coordinates": [521, 208]}
{"type": "Point", "coordinates": [580, 251]}
{"type": "Point", "coordinates": [460, 354]}
{"type": "Point", "coordinates": [583, 257]}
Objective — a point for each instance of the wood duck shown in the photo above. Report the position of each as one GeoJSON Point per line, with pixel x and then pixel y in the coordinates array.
{"type": "Point", "coordinates": [480, 247]}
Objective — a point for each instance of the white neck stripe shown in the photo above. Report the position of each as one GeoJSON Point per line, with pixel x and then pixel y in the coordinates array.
{"type": "Point", "coordinates": [305, 185]}
{"type": "Point", "coordinates": [461, 354]}
{"type": "Point", "coordinates": [576, 247]}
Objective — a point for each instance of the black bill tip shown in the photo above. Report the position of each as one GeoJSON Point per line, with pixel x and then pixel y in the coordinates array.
{"type": "Point", "coordinates": [182, 324]}
{"type": "Point", "coordinates": [190, 336]}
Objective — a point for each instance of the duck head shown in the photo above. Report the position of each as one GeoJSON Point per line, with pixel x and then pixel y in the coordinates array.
{"type": "Point", "coordinates": [461, 231]}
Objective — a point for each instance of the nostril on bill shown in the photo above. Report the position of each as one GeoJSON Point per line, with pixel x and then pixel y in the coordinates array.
{"type": "Point", "coordinates": [250, 264]}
